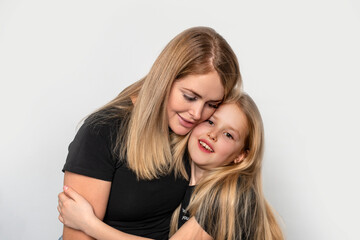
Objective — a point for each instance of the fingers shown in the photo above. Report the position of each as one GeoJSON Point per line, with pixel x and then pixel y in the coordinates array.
{"type": "Point", "coordinates": [62, 198]}
{"type": "Point", "coordinates": [59, 210]}
{"type": "Point", "coordinates": [71, 193]}
{"type": "Point", "coordinates": [63, 201]}
{"type": "Point", "coordinates": [61, 219]}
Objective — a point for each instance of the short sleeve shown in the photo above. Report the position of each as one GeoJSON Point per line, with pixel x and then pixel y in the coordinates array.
{"type": "Point", "coordinates": [90, 153]}
{"type": "Point", "coordinates": [205, 226]}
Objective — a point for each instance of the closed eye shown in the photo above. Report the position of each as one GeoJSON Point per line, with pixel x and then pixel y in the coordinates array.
{"type": "Point", "coordinates": [189, 98]}
{"type": "Point", "coordinates": [213, 105]}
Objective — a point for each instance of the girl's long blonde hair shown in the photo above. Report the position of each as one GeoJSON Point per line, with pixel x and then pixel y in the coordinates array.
{"type": "Point", "coordinates": [229, 201]}
{"type": "Point", "coordinates": [197, 50]}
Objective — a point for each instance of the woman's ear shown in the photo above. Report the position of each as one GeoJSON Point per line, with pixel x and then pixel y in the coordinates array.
{"type": "Point", "coordinates": [241, 157]}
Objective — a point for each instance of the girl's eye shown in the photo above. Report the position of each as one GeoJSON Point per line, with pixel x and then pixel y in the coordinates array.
{"type": "Point", "coordinates": [189, 98]}
{"type": "Point", "coordinates": [228, 135]}
{"type": "Point", "coordinates": [210, 122]}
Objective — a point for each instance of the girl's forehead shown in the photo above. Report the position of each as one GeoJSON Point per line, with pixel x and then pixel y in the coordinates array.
{"type": "Point", "coordinates": [229, 115]}
{"type": "Point", "coordinates": [227, 109]}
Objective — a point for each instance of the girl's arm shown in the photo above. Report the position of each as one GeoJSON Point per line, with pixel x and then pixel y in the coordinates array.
{"type": "Point", "coordinates": [191, 230]}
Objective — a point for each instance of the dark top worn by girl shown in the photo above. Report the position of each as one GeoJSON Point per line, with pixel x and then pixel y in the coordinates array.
{"type": "Point", "coordinates": [184, 214]}
{"type": "Point", "coordinates": [244, 234]}
{"type": "Point", "coordinates": [139, 207]}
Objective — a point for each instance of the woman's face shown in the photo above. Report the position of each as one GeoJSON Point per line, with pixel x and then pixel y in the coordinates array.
{"type": "Point", "coordinates": [193, 99]}
{"type": "Point", "coordinates": [220, 140]}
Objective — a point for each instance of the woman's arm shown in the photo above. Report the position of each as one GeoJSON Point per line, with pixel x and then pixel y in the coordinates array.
{"type": "Point", "coordinates": [191, 230]}
{"type": "Point", "coordinates": [95, 191]}
{"type": "Point", "coordinates": [102, 231]}
{"type": "Point", "coordinates": [77, 213]}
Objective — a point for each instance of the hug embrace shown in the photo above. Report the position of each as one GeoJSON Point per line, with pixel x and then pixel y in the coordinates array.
{"type": "Point", "coordinates": [176, 155]}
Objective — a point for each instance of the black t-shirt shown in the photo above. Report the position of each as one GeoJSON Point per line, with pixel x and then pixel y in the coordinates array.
{"type": "Point", "coordinates": [138, 207]}
{"type": "Point", "coordinates": [184, 214]}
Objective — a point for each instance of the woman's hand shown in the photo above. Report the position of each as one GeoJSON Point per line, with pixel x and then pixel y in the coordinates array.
{"type": "Point", "coordinates": [75, 211]}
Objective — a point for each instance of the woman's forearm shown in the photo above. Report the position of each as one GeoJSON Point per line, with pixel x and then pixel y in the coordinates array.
{"type": "Point", "coordinates": [79, 218]}
{"type": "Point", "coordinates": [101, 231]}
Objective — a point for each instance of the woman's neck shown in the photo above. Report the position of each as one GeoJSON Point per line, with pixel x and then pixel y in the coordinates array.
{"type": "Point", "coordinates": [196, 174]}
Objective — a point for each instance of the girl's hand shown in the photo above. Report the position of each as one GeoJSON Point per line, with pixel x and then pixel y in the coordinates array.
{"type": "Point", "coordinates": [75, 211]}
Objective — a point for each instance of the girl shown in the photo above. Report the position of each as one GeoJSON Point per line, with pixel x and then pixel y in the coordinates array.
{"type": "Point", "coordinates": [228, 203]}
{"type": "Point", "coordinates": [133, 182]}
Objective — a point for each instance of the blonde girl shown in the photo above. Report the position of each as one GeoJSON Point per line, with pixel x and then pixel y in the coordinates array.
{"type": "Point", "coordinates": [228, 200]}
{"type": "Point", "coordinates": [121, 159]}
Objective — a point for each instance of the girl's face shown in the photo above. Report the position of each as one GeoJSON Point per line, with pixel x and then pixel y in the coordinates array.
{"type": "Point", "coordinates": [193, 99]}
{"type": "Point", "coordinates": [220, 140]}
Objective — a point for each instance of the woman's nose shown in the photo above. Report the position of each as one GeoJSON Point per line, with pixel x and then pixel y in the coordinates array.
{"type": "Point", "coordinates": [196, 111]}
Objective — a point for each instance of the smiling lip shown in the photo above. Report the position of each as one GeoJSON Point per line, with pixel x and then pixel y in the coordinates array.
{"type": "Point", "coordinates": [203, 148]}
{"type": "Point", "coordinates": [185, 123]}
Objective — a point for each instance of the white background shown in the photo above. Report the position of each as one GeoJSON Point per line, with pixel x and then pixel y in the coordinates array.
{"type": "Point", "coordinates": [300, 60]}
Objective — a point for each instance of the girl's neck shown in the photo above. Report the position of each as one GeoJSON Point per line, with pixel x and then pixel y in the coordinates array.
{"type": "Point", "coordinates": [196, 174]}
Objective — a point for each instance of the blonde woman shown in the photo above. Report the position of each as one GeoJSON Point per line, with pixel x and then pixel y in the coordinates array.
{"type": "Point", "coordinates": [121, 159]}
{"type": "Point", "coordinates": [227, 203]}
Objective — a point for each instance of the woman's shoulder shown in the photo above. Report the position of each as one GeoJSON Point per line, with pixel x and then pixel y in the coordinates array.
{"type": "Point", "coordinates": [108, 118]}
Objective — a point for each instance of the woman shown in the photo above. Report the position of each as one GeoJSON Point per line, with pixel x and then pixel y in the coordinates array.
{"type": "Point", "coordinates": [228, 203]}
{"type": "Point", "coordinates": [133, 182]}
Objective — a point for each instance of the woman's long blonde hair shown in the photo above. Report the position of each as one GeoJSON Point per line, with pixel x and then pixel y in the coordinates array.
{"type": "Point", "coordinates": [229, 201]}
{"type": "Point", "coordinates": [197, 50]}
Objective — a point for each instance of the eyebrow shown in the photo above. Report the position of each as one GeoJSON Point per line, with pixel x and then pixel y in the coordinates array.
{"type": "Point", "coordinates": [199, 96]}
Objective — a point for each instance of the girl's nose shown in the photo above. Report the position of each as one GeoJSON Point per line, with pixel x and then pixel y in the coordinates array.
{"type": "Point", "coordinates": [212, 136]}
